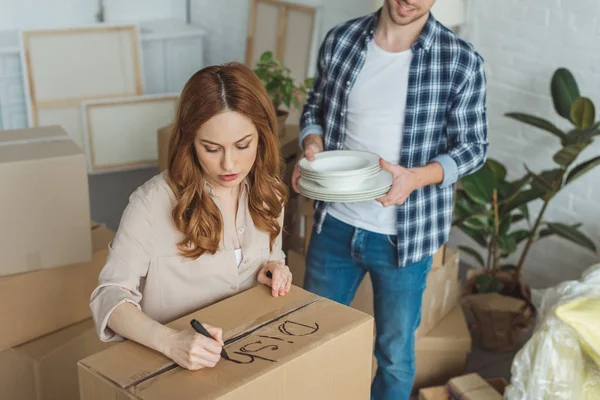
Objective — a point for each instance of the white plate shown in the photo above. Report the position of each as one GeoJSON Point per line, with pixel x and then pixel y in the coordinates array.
{"type": "Point", "coordinates": [340, 163]}
{"type": "Point", "coordinates": [342, 199]}
{"type": "Point", "coordinates": [381, 181]}
{"type": "Point", "coordinates": [345, 183]}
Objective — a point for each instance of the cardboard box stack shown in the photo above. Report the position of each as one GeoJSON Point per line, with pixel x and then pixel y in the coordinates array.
{"type": "Point", "coordinates": [295, 347]}
{"type": "Point", "coordinates": [51, 257]}
{"type": "Point", "coordinates": [443, 340]}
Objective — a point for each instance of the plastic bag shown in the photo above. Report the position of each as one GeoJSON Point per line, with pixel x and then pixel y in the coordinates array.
{"type": "Point", "coordinates": [558, 361]}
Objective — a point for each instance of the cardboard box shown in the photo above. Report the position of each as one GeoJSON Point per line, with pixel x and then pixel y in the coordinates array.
{"type": "Point", "coordinates": [441, 296]}
{"type": "Point", "coordinates": [37, 303]}
{"type": "Point", "coordinates": [163, 138]}
{"type": "Point", "coordinates": [442, 353]}
{"type": "Point", "coordinates": [295, 347]}
{"type": "Point", "coordinates": [442, 393]}
{"type": "Point", "coordinates": [472, 387]}
{"type": "Point", "coordinates": [45, 213]}
{"type": "Point", "coordinates": [46, 368]}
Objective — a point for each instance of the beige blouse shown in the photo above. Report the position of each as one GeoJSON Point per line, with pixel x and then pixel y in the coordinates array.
{"type": "Point", "coordinates": [145, 268]}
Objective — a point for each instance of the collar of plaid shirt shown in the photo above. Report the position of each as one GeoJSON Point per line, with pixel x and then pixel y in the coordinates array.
{"type": "Point", "coordinates": [445, 120]}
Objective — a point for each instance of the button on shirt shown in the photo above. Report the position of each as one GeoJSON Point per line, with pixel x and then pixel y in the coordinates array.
{"type": "Point", "coordinates": [144, 266]}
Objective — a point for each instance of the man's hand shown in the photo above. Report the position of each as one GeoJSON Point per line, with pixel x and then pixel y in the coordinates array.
{"type": "Point", "coordinates": [313, 144]}
{"type": "Point", "coordinates": [406, 180]}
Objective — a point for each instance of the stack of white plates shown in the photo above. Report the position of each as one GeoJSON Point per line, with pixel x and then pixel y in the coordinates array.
{"type": "Point", "coordinates": [343, 176]}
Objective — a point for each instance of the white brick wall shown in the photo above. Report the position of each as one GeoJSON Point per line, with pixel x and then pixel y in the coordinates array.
{"type": "Point", "coordinates": [523, 42]}
{"type": "Point", "coordinates": [227, 23]}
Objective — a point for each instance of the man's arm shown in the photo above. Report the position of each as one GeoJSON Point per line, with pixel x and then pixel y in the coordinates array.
{"type": "Point", "coordinates": [311, 121]}
{"type": "Point", "coordinates": [466, 128]}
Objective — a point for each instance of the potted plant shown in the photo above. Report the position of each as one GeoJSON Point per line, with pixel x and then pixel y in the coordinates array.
{"type": "Point", "coordinates": [494, 212]}
{"type": "Point", "coordinates": [281, 86]}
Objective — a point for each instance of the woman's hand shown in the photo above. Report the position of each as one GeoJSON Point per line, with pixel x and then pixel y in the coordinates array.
{"type": "Point", "coordinates": [193, 351]}
{"type": "Point", "coordinates": [280, 280]}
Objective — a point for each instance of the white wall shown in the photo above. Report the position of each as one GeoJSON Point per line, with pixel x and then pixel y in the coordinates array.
{"type": "Point", "coordinates": [227, 22]}
{"type": "Point", "coordinates": [32, 14]}
{"type": "Point", "coordinates": [523, 42]}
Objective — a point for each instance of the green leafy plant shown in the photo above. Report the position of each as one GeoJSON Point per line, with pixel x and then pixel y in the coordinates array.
{"type": "Point", "coordinates": [281, 86]}
{"type": "Point", "coordinates": [493, 211]}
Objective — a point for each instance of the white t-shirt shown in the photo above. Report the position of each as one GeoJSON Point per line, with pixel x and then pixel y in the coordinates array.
{"type": "Point", "coordinates": [375, 120]}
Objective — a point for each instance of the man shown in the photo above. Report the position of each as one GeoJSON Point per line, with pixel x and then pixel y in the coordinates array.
{"type": "Point", "coordinates": [399, 84]}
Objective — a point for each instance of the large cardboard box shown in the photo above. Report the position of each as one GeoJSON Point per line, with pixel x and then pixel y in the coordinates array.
{"type": "Point", "coordinates": [441, 296]}
{"type": "Point", "coordinates": [37, 303]}
{"type": "Point", "coordinates": [46, 368]}
{"type": "Point", "coordinates": [45, 212]}
{"type": "Point", "coordinates": [295, 347]}
{"type": "Point", "coordinates": [163, 138]}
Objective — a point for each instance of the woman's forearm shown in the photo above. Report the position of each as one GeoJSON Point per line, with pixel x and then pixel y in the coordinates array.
{"type": "Point", "coordinates": [131, 323]}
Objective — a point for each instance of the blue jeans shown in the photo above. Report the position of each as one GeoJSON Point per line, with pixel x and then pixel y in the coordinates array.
{"type": "Point", "coordinates": [336, 263]}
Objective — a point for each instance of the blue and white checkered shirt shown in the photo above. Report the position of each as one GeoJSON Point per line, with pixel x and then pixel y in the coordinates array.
{"type": "Point", "coordinates": [445, 120]}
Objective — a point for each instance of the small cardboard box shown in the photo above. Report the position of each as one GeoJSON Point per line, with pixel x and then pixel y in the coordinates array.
{"type": "Point", "coordinates": [472, 387]}
{"type": "Point", "coordinates": [163, 138]}
{"type": "Point", "coordinates": [46, 368]}
{"type": "Point", "coordinates": [441, 296]}
{"type": "Point", "coordinates": [45, 213]}
{"type": "Point", "coordinates": [37, 303]}
{"type": "Point", "coordinates": [442, 393]}
{"type": "Point", "coordinates": [295, 347]}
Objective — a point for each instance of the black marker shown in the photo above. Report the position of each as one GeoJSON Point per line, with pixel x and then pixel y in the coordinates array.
{"type": "Point", "coordinates": [201, 330]}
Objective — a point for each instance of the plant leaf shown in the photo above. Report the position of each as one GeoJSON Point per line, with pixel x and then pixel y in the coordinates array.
{"type": "Point", "coordinates": [266, 56]}
{"type": "Point", "coordinates": [520, 235]}
{"type": "Point", "coordinates": [480, 185]}
{"type": "Point", "coordinates": [497, 168]}
{"type": "Point", "coordinates": [582, 168]}
{"type": "Point", "coordinates": [525, 210]}
{"type": "Point", "coordinates": [508, 267]}
{"type": "Point", "coordinates": [572, 234]}
{"type": "Point", "coordinates": [476, 223]}
{"type": "Point", "coordinates": [480, 237]}
{"type": "Point", "coordinates": [523, 198]}
{"type": "Point", "coordinates": [564, 92]}
{"type": "Point", "coordinates": [473, 253]}
{"type": "Point", "coordinates": [538, 123]}
{"type": "Point", "coordinates": [568, 154]}
{"type": "Point", "coordinates": [581, 135]}
{"type": "Point", "coordinates": [548, 180]}
{"type": "Point", "coordinates": [506, 244]}
{"type": "Point", "coordinates": [505, 225]}
{"type": "Point", "coordinates": [488, 284]}
{"type": "Point", "coordinates": [583, 113]}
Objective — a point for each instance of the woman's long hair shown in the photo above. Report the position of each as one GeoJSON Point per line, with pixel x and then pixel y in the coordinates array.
{"type": "Point", "coordinates": [210, 91]}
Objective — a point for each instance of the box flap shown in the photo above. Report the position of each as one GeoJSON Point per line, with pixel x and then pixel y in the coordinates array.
{"type": "Point", "coordinates": [36, 144]}
{"type": "Point", "coordinates": [129, 363]}
{"type": "Point", "coordinates": [451, 334]}
{"type": "Point", "coordinates": [39, 348]}
{"type": "Point", "coordinates": [272, 346]}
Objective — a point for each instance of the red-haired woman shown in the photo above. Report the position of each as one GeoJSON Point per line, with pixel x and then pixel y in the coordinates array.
{"type": "Point", "coordinates": [207, 229]}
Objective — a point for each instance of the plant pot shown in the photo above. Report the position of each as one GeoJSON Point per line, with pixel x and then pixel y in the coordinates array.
{"type": "Point", "coordinates": [281, 118]}
{"type": "Point", "coordinates": [498, 321]}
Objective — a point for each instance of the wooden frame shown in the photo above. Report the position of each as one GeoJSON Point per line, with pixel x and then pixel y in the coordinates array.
{"type": "Point", "coordinates": [282, 29]}
{"type": "Point", "coordinates": [35, 45]}
{"type": "Point", "coordinates": [89, 107]}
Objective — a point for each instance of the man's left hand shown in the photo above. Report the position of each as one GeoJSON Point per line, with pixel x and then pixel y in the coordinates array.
{"type": "Point", "coordinates": [404, 182]}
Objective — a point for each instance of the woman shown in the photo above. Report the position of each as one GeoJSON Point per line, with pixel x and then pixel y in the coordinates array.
{"type": "Point", "coordinates": [205, 230]}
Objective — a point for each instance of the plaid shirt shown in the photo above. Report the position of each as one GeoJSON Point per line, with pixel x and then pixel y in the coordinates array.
{"type": "Point", "coordinates": [445, 120]}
